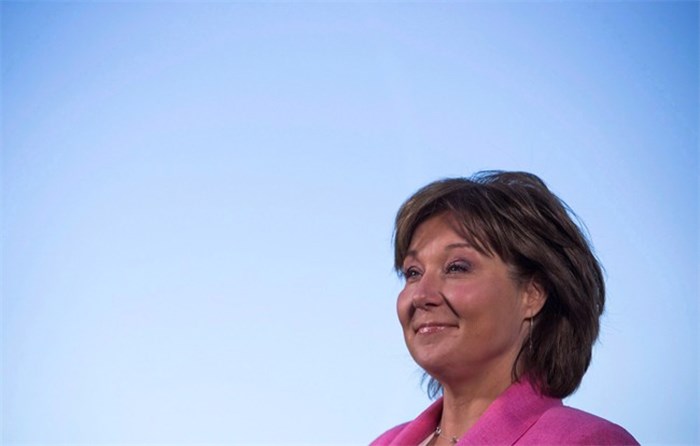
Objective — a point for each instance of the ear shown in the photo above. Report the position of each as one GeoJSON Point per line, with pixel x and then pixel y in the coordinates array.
{"type": "Point", "coordinates": [534, 297]}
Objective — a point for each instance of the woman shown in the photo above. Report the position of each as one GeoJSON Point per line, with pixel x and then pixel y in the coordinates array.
{"type": "Point", "coordinates": [501, 308]}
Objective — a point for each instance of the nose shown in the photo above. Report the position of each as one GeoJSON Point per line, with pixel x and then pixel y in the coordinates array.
{"type": "Point", "coordinates": [427, 292]}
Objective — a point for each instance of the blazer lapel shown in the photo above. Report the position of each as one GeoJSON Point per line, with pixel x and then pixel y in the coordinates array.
{"type": "Point", "coordinates": [509, 416]}
{"type": "Point", "coordinates": [418, 430]}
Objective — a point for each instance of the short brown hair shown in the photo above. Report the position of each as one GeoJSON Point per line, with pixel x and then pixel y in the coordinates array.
{"type": "Point", "coordinates": [515, 216]}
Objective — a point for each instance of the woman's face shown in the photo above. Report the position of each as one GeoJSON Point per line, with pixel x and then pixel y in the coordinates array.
{"type": "Point", "coordinates": [462, 314]}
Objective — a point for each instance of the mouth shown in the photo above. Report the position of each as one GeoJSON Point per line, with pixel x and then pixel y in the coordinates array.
{"type": "Point", "coordinates": [432, 328]}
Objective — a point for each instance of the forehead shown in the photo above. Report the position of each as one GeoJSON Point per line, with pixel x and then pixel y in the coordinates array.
{"type": "Point", "coordinates": [440, 226]}
{"type": "Point", "coordinates": [448, 227]}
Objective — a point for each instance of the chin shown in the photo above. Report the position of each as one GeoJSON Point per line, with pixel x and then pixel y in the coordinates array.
{"type": "Point", "coordinates": [430, 361]}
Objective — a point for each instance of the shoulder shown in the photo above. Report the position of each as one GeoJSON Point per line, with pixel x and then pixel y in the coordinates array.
{"type": "Point", "coordinates": [566, 425]}
{"type": "Point", "coordinates": [388, 436]}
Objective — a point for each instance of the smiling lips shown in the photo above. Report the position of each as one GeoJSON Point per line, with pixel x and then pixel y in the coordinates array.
{"type": "Point", "coordinates": [432, 327]}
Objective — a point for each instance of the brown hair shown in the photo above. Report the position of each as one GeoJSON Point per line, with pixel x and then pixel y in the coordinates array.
{"type": "Point", "coordinates": [515, 216]}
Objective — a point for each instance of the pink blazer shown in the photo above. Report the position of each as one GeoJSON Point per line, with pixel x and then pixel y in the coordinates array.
{"type": "Point", "coordinates": [519, 416]}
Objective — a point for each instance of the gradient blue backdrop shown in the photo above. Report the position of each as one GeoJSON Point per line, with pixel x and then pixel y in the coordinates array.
{"type": "Point", "coordinates": [197, 205]}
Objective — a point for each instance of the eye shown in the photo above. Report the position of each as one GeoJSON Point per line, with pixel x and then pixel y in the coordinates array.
{"type": "Point", "coordinates": [458, 267]}
{"type": "Point", "coordinates": [410, 273]}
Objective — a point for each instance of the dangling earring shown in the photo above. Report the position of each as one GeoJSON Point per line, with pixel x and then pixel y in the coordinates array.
{"type": "Point", "coordinates": [530, 336]}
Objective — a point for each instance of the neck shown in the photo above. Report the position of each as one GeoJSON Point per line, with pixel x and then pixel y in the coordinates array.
{"type": "Point", "coordinates": [464, 403]}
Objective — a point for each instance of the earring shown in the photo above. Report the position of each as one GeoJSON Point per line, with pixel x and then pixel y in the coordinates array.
{"type": "Point", "coordinates": [530, 335]}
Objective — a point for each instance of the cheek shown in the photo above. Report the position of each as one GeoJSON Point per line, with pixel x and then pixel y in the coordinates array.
{"type": "Point", "coordinates": [403, 307]}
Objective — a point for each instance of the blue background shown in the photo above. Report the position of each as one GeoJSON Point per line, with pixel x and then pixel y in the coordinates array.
{"type": "Point", "coordinates": [197, 205]}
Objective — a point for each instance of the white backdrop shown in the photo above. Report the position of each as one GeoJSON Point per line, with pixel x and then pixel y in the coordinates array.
{"type": "Point", "coordinates": [197, 205]}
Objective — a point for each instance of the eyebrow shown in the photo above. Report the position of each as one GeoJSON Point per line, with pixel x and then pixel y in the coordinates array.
{"type": "Point", "coordinates": [458, 245]}
{"type": "Point", "coordinates": [414, 253]}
